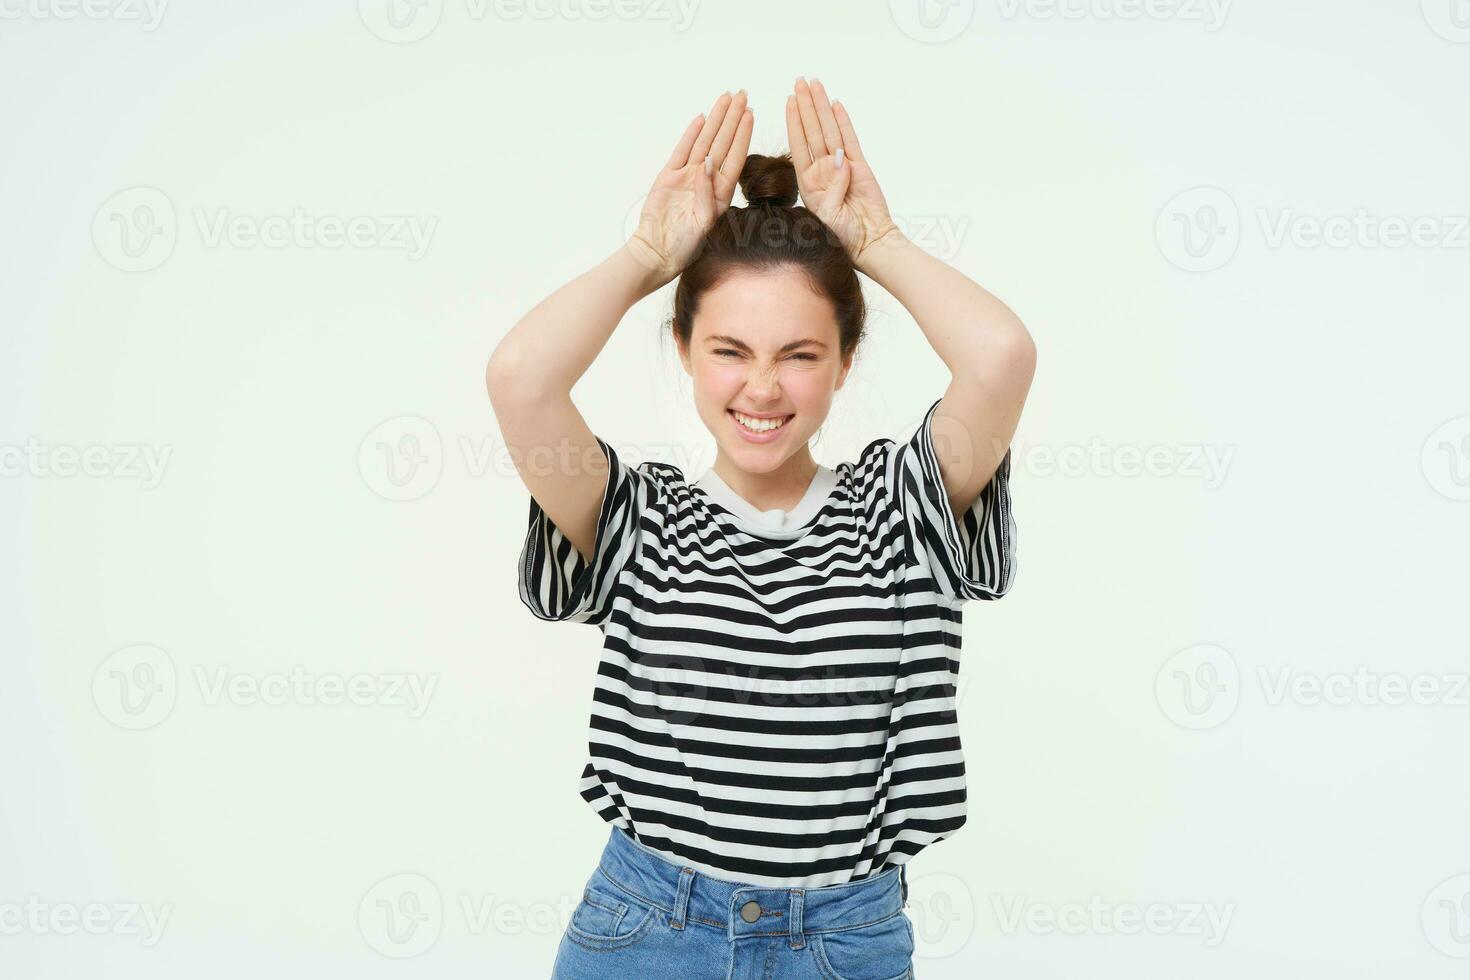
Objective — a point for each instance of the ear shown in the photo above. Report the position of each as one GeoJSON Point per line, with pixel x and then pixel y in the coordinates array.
{"type": "Point", "coordinates": [842, 375]}
{"type": "Point", "coordinates": [683, 354]}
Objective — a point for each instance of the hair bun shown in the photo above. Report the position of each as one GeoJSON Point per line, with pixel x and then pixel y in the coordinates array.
{"type": "Point", "coordinates": [769, 180]}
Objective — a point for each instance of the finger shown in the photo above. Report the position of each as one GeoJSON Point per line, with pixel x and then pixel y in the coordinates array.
{"type": "Point", "coordinates": [831, 136]}
{"type": "Point", "coordinates": [706, 137]}
{"type": "Point", "coordinates": [811, 126]}
{"type": "Point", "coordinates": [704, 182]}
{"type": "Point", "coordinates": [680, 157]}
{"type": "Point", "coordinates": [837, 189]}
{"type": "Point", "coordinates": [849, 135]}
{"type": "Point", "coordinates": [801, 158]}
{"type": "Point", "coordinates": [726, 135]}
{"type": "Point", "coordinates": [729, 176]}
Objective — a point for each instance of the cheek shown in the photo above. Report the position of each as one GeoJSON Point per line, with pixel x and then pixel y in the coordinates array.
{"type": "Point", "coordinates": [721, 379]}
{"type": "Point", "coordinates": [808, 387]}
{"type": "Point", "coordinates": [715, 387]}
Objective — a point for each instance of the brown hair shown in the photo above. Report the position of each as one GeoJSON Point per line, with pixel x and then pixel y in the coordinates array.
{"type": "Point", "coordinates": [772, 231]}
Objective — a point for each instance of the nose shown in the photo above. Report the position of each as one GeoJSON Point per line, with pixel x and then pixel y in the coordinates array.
{"type": "Point", "coordinates": [763, 383]}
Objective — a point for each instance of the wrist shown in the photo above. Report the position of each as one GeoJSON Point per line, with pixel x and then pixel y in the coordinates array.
{"type": "Point", "coordinates": [645, 266]}
{"type": "Point", "coordinates": [886, 243]}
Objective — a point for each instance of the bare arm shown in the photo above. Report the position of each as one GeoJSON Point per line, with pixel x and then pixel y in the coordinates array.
{"type": "Point", "coordinates": [530, 378]}
{"type": "Point", "coordinates": [532, 371]}
{"type": "Point", "coordinates": [990, 354]}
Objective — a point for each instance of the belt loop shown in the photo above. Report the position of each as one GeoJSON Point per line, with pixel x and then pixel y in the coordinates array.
{"type": "Point", "coordinates": [681, 898]}
{"type": "Point", "coordinates": [798, 902]}
{"type": "Point", "coordinates": [903, 880]}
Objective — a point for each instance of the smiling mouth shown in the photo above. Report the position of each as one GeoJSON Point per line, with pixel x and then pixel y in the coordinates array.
{"type": "Point", "coordinates": [752, 424]}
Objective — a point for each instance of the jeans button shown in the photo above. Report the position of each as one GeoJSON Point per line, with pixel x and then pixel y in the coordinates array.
{"type": "Point", "coordinates": [750, 911]}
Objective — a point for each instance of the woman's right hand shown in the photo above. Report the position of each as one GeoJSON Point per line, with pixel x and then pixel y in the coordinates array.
{"type": "Point", "coordinates": [686, 198]}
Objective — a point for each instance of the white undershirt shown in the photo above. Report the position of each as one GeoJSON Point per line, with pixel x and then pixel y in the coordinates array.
{"type": "Point", "coordinates": [776, 521]}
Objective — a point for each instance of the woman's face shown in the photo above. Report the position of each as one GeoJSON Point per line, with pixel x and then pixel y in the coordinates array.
{"type": "Point", "coordinates": [764, 344]}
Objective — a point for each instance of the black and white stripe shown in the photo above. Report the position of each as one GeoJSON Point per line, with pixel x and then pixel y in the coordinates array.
{"type": "Point", "coordinates": [779, 710]}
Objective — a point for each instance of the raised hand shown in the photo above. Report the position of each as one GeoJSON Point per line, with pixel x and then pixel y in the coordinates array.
{"type": "Point", "coordinates": [694, 187]}
{"type": "Point", "coordinates": [836, 183]}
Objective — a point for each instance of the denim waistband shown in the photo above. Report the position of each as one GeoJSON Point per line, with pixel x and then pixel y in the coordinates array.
{"type": "Point", "coordinates": [688, 895]}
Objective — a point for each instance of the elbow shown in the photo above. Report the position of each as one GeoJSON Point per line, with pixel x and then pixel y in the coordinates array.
{"type": "Point", "coordinates": [1007, 361]}
{"type": "Point", "coordinates": [1016, 354]}
{"type": "Point", "coordinates": [1022, 355]}
{"type": "Point", "coordinates": [504, 375]}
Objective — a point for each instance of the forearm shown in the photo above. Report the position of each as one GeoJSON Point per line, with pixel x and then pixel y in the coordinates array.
{"type": "Point", "coordinates": [970, 329]}
{"type": "Point", "coordinates": [553, 345]}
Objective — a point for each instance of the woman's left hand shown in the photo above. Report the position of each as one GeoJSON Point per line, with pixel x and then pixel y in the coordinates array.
{"type": "Point", "coordinates": [839, 189]}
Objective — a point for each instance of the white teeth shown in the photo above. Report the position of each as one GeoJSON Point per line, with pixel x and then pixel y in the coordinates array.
{"type": "Point", "coordinates": [759, 425]}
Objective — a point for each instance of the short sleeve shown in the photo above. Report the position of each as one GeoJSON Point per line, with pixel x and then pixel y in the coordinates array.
{"type": "Point", "coordinates": [556, 582]}
{"type": "Point", "coordinates": [972, 556]}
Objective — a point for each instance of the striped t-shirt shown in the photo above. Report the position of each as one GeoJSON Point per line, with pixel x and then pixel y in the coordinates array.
{"type": "Point", "coordinates": [776, 704]}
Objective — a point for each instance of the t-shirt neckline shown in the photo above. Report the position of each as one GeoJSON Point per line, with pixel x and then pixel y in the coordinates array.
{"type": "Point", "coordinates": [775, 522]}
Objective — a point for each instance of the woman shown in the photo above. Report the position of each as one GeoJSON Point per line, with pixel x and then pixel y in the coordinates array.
{"type": "Point", "coordinates": [774, 731]}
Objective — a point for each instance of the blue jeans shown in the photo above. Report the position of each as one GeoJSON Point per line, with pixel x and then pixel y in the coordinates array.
{"type": "Point", "coordinates": [646, 917]}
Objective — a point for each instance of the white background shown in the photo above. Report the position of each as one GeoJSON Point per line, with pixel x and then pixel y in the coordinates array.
{"type": "Point", "coordinates": [331, 497]}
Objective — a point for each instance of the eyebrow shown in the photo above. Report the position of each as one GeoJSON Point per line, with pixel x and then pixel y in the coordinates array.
{"type": "Point", "coordinates": [735, 342]}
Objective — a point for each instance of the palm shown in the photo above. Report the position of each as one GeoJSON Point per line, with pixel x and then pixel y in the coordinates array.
{"type": "Point", "coordinates": [676, 213]}
{"type": "Point", "coordinates": [685, 198]}
{"type": "Point", "coordinates": [858, 214]}
{"type": "Point", "coordinates": [846, 198]}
